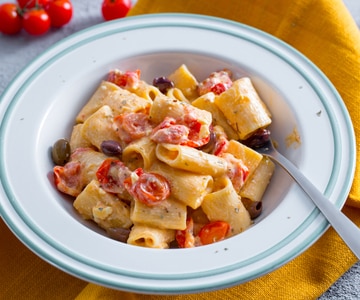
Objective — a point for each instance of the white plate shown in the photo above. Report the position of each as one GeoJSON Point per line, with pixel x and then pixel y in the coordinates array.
{"type": "Point", "coordinates": [40, 105]}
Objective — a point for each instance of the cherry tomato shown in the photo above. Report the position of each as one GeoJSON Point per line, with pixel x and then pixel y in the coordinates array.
{"type": "Point", "coordinates": [115, 9]}
{"type": "Point", "coordinates": [68, 178]}
{"type": "Point", "coordinates": [213, 232]}
{"type": "Point", "coordinates": [170, 132]}
{"type": "Point", "coordinates": [217, 82]}
{"type": "Point", "coordinates": [59, 11]}
{"type": "Point", "coordinates": [31, 3]}
{"type": "Point", "coordinates": [132, 126]}
{"type": "Point", "coordinates": [111, 175]}
{"type": "Point", "coordinates": [151, 188]}
{"type": "Point", "coordinates": [10, 19]}
{"type": "Point", "coordinates": [36, 21]}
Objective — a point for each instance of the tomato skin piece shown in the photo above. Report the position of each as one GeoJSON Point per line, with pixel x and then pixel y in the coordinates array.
{"type": "Point", "coordinates": [115, 9]}
{"type": "Point", "coordinates": [60, 12]}
{"type": "Point", "coordinates": [36, 21]}
{"type": "Point", "coordinates": [185, 238]}
{"type": "Point", "coordinates": [213, 232]}
{"type": "Point", "coordinates": [10, 19]}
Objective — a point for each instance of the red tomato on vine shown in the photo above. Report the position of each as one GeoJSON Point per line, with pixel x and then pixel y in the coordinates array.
{"type": "Point", "coordinates": [10, 19]}
{"type": "Point", "coordinates": [60, 12]}
{"type": "Point", "coordinates": [115, 9]}
{"type": "Point", "coordinates": [36, 21]}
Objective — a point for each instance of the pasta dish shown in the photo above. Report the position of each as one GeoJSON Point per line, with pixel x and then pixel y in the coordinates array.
{"type": "Point", "coordinates": [168, 164]}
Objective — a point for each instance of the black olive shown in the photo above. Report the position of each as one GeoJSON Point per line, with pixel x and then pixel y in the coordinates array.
{"type": "Point", "coordinates": [111, 148]}
{"type": "Point", "coordinates": [61, 152]}
{"type": "Point", "coordinates": [258, 139]}
{"type": "Point", "coordinates": [119, 234]}
{"type": "Point", "coordinates": [163, 84]}
{"type": "Point", "coordinates": [210, 145]}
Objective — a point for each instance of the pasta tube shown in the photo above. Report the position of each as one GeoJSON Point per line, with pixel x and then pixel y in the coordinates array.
{"type": "Point", "coordinates": [77, 140]}
{"type": "Point", "coordinates": [120, 101]}
{"type": "Point", "coordinates": [187, 187]}
{"type": "Point", "coordinates": [191, 159]}
{"type": "Point", "coordinates": [146, 236]}
{"type": "Point", "coordinates": [163, 107]}
{"type": "Point", "coordinates": [99, 127]}
{"type": "Point", "coordinates": [176, 93]}
{"type": "Point", "coordinates": [255, 186]}
{"type": "Point", "coordinates": [145, 90]}
{"type": "Point", "coordinates": [106, 209]}
{"type": "Point", "coordinates": [139, 154]}
{"type": "Point", "coordinates": [249, 157]}
{"type": "Point", "coordinates": [206, 102]}
{"type": "Point", "coordinates": [225, 204]}
{"type": "Point", "coordinates": [184, 80]}
{"type": "Point", "coordinates": [243, 108]}
{"type": "Point", "coordinates": [170, 214]}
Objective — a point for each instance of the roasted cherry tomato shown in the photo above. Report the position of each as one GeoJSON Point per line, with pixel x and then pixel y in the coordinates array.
{"type": "Point", "coordinates": [132, 126]}
{"type": "Point", "coordinates": [59, 11]}
{"type": "Point", "coordinates": [128, 79]}
{"type": "Point", "coordinates": [36, 21]}
{"type": "Point", "coordinates": [10, 19]}
{"type": "Point", "coordinates": [115, 9]}
{"type": "Point", "coordinates": [213, 232]}
{"type": "Point", "coordinates": [32, 3]}
{"type": "Point", "coordinates": [150, 188]}
{"type": "Point", "coordinates": [217, 82]}
{"type": "Point", "coordinates": [111, 175]}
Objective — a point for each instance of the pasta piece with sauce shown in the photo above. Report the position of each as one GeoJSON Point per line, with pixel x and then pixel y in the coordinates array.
{"type": "Point", "coordinates": [207, 102]}
{"type": "Point", "coordinates": [145, 90]}
{"type": "Point", "coordinates": [139, 154]}
{"type": "Point", "coordinates": [191, 159]}
{"type": "Point", "coordinates": [99, 127]}
{"type": "Point", "coordinates": [185, 81]}
{"type": "Point", "coordinates": [243, 108]}
{"type": "Point", "coordinates": [225, 204]}
{"type": "Point", "coordinates": [254, 188]}
{"type": "Point", "coordinates": [250, 157]}
{"type": "Point", "coordinates": [119, 100]}
{"type": "Point", "coordinates": [168, 214]}
{"type": "Point", "coordinates": [77, 140]}
{"type": "Point", "coordinates": [106, 209]}
{"type": "Point", "coordinates": [150, 237]}
{"type": "Point", "coordinates": [187, 187]}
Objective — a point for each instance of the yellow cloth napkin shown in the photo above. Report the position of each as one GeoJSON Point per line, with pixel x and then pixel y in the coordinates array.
{"type": "Point", "coordinates": [325, 32]}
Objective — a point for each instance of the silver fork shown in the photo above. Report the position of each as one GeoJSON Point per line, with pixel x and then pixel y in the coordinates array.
{"type": "Point", "coordinates": [346, 229]}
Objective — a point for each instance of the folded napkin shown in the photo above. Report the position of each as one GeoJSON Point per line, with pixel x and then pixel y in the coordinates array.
{"type": "Point", "coordinates": [325, 32]}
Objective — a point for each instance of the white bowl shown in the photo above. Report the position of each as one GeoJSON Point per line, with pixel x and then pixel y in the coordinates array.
{"type": "Point", "coordinates": [41, 103]}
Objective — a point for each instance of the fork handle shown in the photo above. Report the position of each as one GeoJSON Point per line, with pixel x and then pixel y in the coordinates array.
{"type": "Point", "coordinates": [346, 229]}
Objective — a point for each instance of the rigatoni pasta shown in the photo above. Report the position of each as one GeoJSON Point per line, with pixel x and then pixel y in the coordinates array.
{"type": "Point", "coordinates": [165, 164]}
{"type": "Point", "coordinates": [243, 108]}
